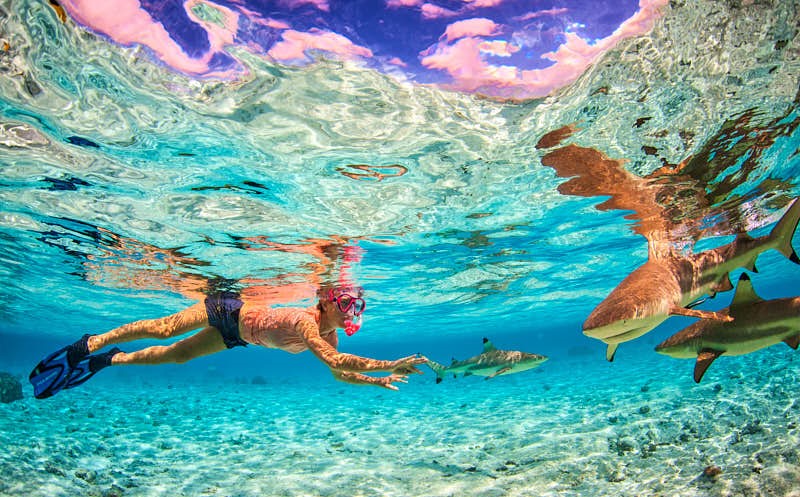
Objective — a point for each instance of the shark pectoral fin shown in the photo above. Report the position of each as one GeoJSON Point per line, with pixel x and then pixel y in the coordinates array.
{"type": "Point", "coordinates": [611, 351]}
{"type": "Point", "coordinates": [704, 360]}
{"type": "Point", "coordinates": [695, 313]}
{"type": "Point", "coordinates": [793, 342]}
{"type": "Point", "coordinates": [499, 372]}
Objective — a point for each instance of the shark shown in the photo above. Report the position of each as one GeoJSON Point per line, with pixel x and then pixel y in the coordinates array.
{"type": "Point", "coordinates": [490, 363]}
{"type": "Point", "coordinates": [671, 207]}
{"type": "Point", "coordinates": [756, 324]}
{"type": "Point", "coordinates": [670, 284]}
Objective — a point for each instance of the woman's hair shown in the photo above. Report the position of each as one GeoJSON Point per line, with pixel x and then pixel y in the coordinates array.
{"type": "Point", "coordinates": [326, 290]}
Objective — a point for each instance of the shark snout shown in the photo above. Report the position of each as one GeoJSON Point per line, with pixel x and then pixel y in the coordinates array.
{"type": "Point", "coordinates": [616, 325]}
{"type": "Point", "coordinates": [603, 324]}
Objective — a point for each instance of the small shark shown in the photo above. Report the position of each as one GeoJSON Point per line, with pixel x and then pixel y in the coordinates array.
{"type": "Point", "coordinates": [756, 324]}
{"type": "Point", "coordinates": [668, 284]}
{"type": "Point", "coordinates": [492, 362]}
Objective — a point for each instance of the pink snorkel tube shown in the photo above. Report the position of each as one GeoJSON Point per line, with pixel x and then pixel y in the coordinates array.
{"type": "Point", "coordinates": [351, 327]}
{"type": "Point", "coordinates": [352, 254]}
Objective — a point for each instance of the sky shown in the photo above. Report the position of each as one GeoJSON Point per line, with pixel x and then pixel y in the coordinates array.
{"type": "Point", "coordinates": [508, 49]}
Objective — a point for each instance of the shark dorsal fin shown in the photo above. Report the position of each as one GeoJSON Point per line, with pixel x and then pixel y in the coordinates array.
{"type": "Point", "coordinates": [704, 360]}
{"type": "Point", "coordinates": [487, 345]}
{"type": "Point", "coordinates": [793, 342]}
{"type": "Point", "coordinates": [745, 294]}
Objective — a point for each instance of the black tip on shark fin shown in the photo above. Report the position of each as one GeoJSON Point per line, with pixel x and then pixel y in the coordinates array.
{"type": "Point", "coordinates": [611, 351]}
{"type": "Point", "coordinates": [794, 257]}
{"type": "Point", "coordinates": [438, 380]}
{"type": "Point", "coordinates": [704, 360]}
{"type": "Point", "coordinates": [793, 342]}
{"type": "Point", "coordinates": [744, 277]}
{"type": "Point", "coordinates": [485, 339]}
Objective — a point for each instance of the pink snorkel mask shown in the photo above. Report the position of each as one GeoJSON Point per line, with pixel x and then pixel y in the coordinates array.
{"type": "Point", "coordinates": [351, 305]}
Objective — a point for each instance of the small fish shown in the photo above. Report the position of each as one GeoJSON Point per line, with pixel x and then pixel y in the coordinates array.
{"type": "Point", "coordinates": [756, 324]}
{"type": "Point", "coordinates": [492, 362]}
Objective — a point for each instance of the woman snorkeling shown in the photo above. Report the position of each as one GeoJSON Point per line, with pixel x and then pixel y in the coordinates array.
{"type": "Point", "coordinates": [228, 320]}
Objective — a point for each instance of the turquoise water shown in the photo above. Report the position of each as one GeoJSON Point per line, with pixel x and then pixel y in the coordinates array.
{"type": "Point", "coordinates": [129, 190]}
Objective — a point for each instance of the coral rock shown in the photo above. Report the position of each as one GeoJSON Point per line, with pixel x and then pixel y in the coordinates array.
{"type": "Point", "coordinates": [10, 388]}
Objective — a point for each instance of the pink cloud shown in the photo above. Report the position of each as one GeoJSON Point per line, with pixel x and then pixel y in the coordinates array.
{"type": "Point", "coordinates": [274, 24]}
{"type": "Point", "coordinates": [471, 27]}
{"type": "Point", "coordinates": [395, 61]}
{"type": "Point", "coordinates": [542, 13]}
{"type": "Point", "coordinates": [403, 3]}
{"type": "Point", "coordinates": [294, 45]}
{"type": "Point", "coordinates": [125, 22]}
{"type": "Point", "coordinates": [320, 4]}
{"type": "Point", "coordinates": [431, 11]}
{"type": "Point", "coordinates": [464, 62]}
{"type": "Point", "coordinates": [498, 48]}
{"type": "Point", "coordinates": [257, 18]}
{"type": "Point", "coordinates": [479, 4]}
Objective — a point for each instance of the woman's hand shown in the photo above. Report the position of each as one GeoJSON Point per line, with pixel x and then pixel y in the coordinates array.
{"type": "Point", "coordinates": [407, 365]}
{"type": "Point", "coordinates": [386, 381]}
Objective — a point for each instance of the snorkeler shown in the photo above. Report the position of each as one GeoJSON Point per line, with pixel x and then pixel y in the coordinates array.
{"type": "Point", "coordinates": [228, 321]}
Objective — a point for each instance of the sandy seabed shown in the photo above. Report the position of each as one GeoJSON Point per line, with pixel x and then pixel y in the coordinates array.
{"type": "Point", "coordinates": [573, 427]}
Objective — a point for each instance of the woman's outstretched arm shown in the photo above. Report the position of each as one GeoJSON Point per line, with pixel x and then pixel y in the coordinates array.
{"type": "Point", "coordinates": [339, 361]}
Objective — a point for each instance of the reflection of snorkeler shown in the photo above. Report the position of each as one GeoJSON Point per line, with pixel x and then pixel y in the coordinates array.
{"type": "Point", "coordinates": [227, 321]}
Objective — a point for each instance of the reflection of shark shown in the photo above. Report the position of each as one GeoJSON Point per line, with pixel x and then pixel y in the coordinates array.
{"type": "Point", "coordinates": [492, 362]}
{"type": "Point", "coordinates": [667, 284]}
{"type": "Point", "coordinates": [756, 324]}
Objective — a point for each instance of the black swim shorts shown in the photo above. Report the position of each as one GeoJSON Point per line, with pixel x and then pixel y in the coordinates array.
{"type": "Point", "coordinates": [223, 314]}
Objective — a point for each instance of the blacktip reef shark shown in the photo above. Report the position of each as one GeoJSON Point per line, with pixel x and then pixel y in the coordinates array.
{"type": "Point", "coordinates": [492, 362]}
{"type": "Point", "coordinates": [669, 283]}
{"type": "Point", "coordinates": [668, 204]}
{"type": "Point", "coordinates": [756, 324]}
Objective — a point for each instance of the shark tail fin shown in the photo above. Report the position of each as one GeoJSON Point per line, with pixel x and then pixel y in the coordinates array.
{"type": "Point", "coordinates": [438, 369]}
{"type": "Point", "coordinates": [784, 231]}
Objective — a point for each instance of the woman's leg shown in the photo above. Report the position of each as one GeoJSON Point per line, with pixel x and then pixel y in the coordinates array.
{"type": "Point", "coordinates": [206, 341]}
{"type": "Point", "coordinates": [177, 324]}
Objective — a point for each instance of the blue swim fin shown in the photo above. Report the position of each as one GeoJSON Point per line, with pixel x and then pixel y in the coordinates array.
{"type": "Point", "coordinates": [87, 368]}
{"type": "Point", "coordinates": [51, 374]}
